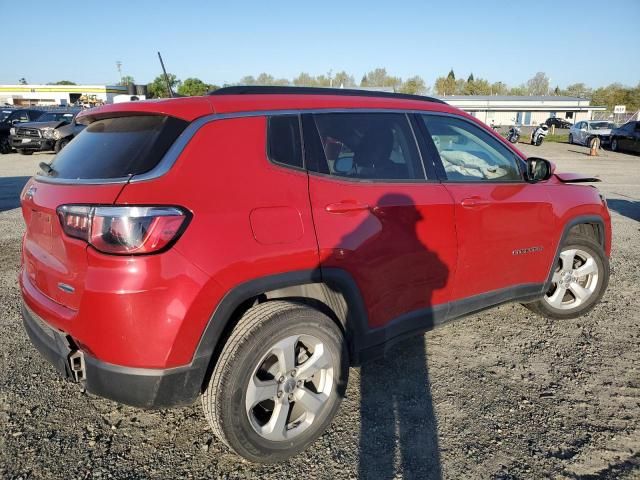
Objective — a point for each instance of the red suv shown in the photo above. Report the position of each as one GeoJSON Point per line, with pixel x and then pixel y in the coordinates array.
{"type": "Point", "coordinates": [247, 247]}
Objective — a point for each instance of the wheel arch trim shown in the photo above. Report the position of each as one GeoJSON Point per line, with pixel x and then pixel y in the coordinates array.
{"type": "Point", "coordinates": [596, 220]}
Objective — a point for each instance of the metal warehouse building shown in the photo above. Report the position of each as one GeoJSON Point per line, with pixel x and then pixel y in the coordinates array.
{"type": "Point", "coordinates": [526, 110]}
{"type": "Point", "coordinates": [28, 95]}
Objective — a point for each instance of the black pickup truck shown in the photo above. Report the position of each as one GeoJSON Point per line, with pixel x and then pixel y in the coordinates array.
{"type": "Point", "coordinates": [52, 131]}
{"type": "Point", "coordinates": [10, 118]}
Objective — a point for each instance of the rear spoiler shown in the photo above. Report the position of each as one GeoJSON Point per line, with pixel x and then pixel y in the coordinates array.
{"type": "Point", "coordinates": [576, 178]}
{"type": "Point", "coordinates": [188, 109]}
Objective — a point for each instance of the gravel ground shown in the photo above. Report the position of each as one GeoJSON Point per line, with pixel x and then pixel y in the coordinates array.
{"type": "Point", "coordinates": [503, 394]}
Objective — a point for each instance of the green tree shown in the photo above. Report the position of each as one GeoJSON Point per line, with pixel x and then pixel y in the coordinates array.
{"type": "Point", "coordinates": [498, 88]}
{"type": "Point", "coordinates": [247, 80]}
{"type": "Point", "coordinates": [414, 85]}
{"type": "Point", "coordinates": [519, 90]}
{"type": "Point", "coordinates": [343, 79]}
{"type": "Point", "coordinates": [158, 88]}
{"type": "Point", "coordinates": [577, 90]}
{"type": "Point", "coordinates": [379, 78]}
{"type": "Point", "coordinates": [126, 80]}
{"type": "Point", "coordinates": [193, 87]}
{"type": "Point", "coordinates": [447, 85]}
{"type": "Point", "coordinates": [304, 80]}
{"type": "Point", "coordinates": [470, 78]}
{"type": "Point", "coordinates": [22, 81]}
{"type": "Point", "coordinates": [63, 82]}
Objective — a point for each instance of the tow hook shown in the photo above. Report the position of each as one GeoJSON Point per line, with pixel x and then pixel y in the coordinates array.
{"type": "Point", "coordinates": [76, 364]}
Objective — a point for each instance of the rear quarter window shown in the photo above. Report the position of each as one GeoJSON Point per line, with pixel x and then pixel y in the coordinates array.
{"type": "Point", "coordinates": [284, 145]}
{"type": "Point", "coordinates": [118, 147]}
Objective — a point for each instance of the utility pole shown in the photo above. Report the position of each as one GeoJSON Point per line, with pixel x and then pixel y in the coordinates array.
{"type": "Point", "coordinates": [119, 67]}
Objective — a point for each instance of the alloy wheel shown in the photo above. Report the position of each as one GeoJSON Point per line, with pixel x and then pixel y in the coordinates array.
{"type": "Point", "coordinates": [574, 280]}
{"type": "Point", "coordinates": [289, 387]}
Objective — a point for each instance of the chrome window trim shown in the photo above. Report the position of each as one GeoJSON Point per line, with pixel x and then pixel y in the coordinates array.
{"type": "Point", "coordinates": [171, 156]}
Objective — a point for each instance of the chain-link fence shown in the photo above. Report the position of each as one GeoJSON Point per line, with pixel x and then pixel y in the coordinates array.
{"type": "Point", "coordinates": [617, 118]}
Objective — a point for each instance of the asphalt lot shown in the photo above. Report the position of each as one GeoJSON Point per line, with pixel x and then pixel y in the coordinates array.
{"type": "Point", "coordinates": [502, 394]}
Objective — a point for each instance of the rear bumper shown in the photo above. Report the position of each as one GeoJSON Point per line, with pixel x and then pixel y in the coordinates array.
{"type": "Point", "coordinates": [140, 387]}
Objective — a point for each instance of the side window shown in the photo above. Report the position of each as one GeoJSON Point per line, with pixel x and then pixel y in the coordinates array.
{"type": "Point", "coordinates": [468, 153]}
{"type": "Point", "coordinates": [283, 140]}
{"type": "Point", "coordinates": [367, 146]}
{"type": "Point", "coordinates": [23, 117]}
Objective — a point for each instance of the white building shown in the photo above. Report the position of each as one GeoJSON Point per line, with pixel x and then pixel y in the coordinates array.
{"type": "Point", "coordinates": [29, 95]}
{"type": "Point", "coordinates": [526, 110]}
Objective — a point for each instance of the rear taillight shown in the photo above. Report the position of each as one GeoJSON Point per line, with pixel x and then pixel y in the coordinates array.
{"type": "Point", "coordinates": [124, 230]}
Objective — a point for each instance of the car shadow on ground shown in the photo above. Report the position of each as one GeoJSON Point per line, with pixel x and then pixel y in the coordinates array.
{"type": "Point", "coordinates": [10, 188]}
{"type": "Point", "coordinates": [398, 428]}
{"type": "Point", "coordinates": [628, 208]}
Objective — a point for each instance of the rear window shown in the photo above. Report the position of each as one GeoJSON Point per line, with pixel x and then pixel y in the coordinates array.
{"type": "Point", "coordinates": [118, 147]}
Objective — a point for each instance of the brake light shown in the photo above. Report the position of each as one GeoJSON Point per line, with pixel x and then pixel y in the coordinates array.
{"type": "Point", "coordinates": [124, 230]}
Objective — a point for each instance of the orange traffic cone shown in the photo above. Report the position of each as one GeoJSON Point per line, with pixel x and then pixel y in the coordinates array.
{"type": "Point", "coordinates": [594, 146]}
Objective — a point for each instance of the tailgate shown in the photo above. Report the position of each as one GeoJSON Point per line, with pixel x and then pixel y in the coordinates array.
{"type": "Point", "coordinates": [55, 263]}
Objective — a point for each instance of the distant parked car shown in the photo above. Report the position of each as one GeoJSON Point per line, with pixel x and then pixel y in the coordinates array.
{"type": "Point", "coordinates": [626, 137]}
{"type": "Point", "coordinates": [21, 115]}
{"type": "Point", "coordinates": [558, 122]}
{"type": "Point", "coordinates": [43, 134]}
{"type": "Point", "coordinates": [582, 132]}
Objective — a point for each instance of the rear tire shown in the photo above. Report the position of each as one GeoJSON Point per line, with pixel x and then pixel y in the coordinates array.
{"type": "Point", "coordinates": [614, 144]}
{"type": "Point", "coordinates": [22, 151]}
{"type": "Point", "coordinates": [573, 292]}
{"type": "Point", "coordinates": [263, 402]}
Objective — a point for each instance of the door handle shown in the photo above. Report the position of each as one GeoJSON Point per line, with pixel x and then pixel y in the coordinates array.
{"type": "Point", "coordinates": [345, 206]}
{"type": "Point", "coordinates": [473, 202]}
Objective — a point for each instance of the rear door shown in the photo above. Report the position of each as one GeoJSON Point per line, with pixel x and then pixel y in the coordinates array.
{"type": "Point", "coordinates": [504, 224]}
{"type": "Point", "coordinates": [90, 171]}
{"type": "Point", "coordinates": [377, 215]}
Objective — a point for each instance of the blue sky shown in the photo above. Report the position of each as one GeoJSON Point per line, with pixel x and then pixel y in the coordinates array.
{"type": "Point", "coordinates": [587, 41]}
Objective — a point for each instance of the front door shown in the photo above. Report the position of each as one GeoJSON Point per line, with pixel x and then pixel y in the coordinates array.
{"type": "Point", "coordinates": [504, 224]}
{"type": "Point", "coordinates": [376, 214]}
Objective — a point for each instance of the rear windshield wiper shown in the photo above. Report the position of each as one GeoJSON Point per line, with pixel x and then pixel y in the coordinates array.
{"type": "Point", "coordinates": [48, 169]}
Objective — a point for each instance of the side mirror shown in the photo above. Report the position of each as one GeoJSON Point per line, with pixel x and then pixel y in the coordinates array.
{"type": "Point", "coordinates": [539, 169]}
{"type": "Point", "coordinates": [343, 165]}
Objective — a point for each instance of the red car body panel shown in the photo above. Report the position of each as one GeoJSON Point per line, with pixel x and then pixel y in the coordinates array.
{"type": "Point", "coordinates": [252, 218]}
{"type": "Point", "coordinates": [400, 246]}
{"type": "Point", "coordinates": [227, 237]}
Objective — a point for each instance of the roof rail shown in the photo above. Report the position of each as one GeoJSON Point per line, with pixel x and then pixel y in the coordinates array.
{"type": "Point", "coordinates": [348, 92]}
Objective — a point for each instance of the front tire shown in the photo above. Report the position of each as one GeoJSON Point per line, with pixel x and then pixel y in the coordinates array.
{"type": "Point", "coordinates": [278, 381]}
{"type": "Point", "coordinates": [60, 144]}
{"type": "Point", "coordinates": [570, 139]}
{"type": "Point", "coordinates": [5, 146]}
{"type": "Point", "coordinates": [22, 151]}
{"type": "Point", "coordinates": [579, 279]}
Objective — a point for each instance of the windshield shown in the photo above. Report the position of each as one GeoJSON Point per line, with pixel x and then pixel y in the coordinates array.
{"type": "Point", "coordinates": [601, 125]}
{"type": "Point", "coordinates": [55, 117]}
